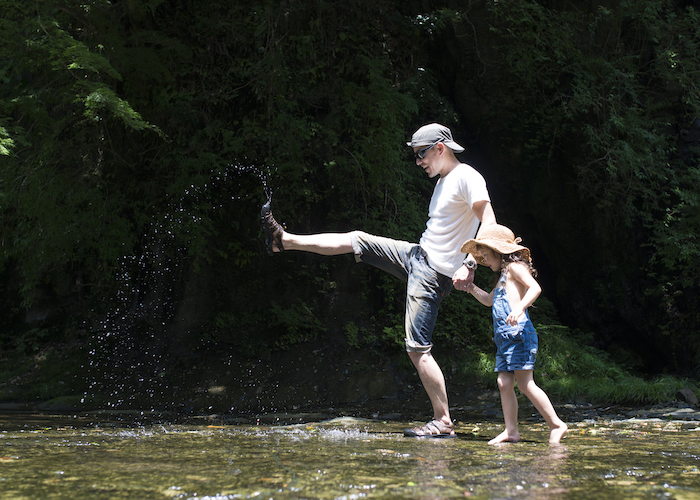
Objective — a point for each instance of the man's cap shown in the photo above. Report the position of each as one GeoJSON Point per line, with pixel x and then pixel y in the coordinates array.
{"type": "Point", "coordinates": [432, 133]}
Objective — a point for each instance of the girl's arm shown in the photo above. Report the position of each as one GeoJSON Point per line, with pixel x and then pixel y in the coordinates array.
{"type": "Point", "coordinates": [522, 276]}
{"type": "Point", "coordinates": [481, 295]}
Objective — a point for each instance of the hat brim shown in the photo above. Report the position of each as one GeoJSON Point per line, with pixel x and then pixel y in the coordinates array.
{"type": "Point", "coordinates": [450, 144]}
{"type": "Point", "coordinates": [499, 246]}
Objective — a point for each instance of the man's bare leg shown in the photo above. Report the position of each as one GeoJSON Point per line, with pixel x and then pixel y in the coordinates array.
{"type": "Point", "coordinates": [434, 383]}
{"type": "Point", "coordinates": [277, 239]}
{"type": "Point", "coordinates": [321, 243]}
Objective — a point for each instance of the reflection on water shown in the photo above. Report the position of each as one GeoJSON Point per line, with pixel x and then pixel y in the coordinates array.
{"type": "Point", "coordinates": [344, 458]}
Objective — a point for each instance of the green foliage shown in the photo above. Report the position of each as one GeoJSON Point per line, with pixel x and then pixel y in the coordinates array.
{"type": "Point", "coordinates": [109, 111]}
{"type": "Point", "coordinates": [569, 369]}
{"type": "Point", "coordinates": [32, 340]}
{"type": "Point", "coordinates": [295, 324]}
{"type": "Point", "coordinates": [358, 337]}
{"type": "Point", "coordinates": [352, 334]}
{"type": "Point", "coordinates": [284, 328]}
{"type": "Point", "coordinates": [463, 322]}
{"type": "Point", "coordinates": [394, 335]}
{"type": "Point", "coordinates": [596, 129]}
{"type": "Point", "coordinates": [50, 372]}
{"type": "Point", "coordinates": [66, 214]}
{"type": "Point", "coordinates": [121, 124]}
{"type": "Point", "coordinates": [102, 101]}
{"type": "Point", "coordinates": [6, 142]}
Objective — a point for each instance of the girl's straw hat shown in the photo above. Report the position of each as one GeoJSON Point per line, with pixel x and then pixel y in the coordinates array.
{"type": "Point", "coordinates": [498, 238]}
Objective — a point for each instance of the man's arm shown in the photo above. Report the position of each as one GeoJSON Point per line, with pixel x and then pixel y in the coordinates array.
{"type": "Point", "coordinates": [484, 212]}
{"type": "Point", "coordinates": [465, 275]}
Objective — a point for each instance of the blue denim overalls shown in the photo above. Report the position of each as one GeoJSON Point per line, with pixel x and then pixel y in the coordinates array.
{"type": "Point", "coordinates": [516, 344]}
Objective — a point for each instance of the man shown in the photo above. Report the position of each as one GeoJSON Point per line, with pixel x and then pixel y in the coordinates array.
{"type": "Point", "coordinates": [460, 202]}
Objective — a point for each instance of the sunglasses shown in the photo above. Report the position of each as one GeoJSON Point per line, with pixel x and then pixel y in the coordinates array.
{"type": "Point", "coordinates": [420, 154]}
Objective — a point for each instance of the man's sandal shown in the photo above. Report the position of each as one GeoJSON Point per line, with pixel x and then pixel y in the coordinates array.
{"type": "Point", "coordinates": [272, 229]}
{"type": "Point", "coordinates": [433, 429]}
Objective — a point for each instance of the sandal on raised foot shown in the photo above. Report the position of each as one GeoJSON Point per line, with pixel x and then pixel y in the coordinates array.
{"type": "Point", "coordinates": [272, 229]}
{"type": "Point", "coordinates": [433, 429]}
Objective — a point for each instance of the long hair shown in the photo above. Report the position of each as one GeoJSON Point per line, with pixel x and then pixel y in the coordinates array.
{"type": "Point", "coordinates": [511, 258]}
{"type": "Point", "coordinates": [507, 260]}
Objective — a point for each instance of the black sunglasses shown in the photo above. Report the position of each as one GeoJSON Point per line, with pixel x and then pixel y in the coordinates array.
{"type": "Point", "coordinates": [420, 154]}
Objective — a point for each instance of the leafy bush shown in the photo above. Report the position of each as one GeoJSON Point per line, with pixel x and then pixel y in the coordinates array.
{"type": "Point", "coordinates": [568, 369]}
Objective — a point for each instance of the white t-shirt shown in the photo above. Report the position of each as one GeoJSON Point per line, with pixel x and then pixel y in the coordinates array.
{"type": "Point", "coordinates": [452, 220]}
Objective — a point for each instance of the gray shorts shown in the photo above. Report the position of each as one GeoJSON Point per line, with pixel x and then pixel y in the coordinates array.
{"type": "Point", "coordinates": [425, 286]}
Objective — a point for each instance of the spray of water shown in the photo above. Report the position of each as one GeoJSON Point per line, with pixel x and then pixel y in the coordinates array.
{"type": "Point", "coordinates": [129, 350]}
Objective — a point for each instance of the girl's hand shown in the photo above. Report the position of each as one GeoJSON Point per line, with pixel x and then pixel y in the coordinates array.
{"type": "Point", "coordinates": [513, 317]}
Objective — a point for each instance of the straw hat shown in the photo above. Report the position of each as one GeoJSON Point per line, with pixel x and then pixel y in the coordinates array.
{"type": "Point", "coordinates": [498, 238]}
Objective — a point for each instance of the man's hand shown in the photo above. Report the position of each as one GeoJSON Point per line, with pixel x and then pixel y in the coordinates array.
{"type": "Point", "coordinates": [463, 278]}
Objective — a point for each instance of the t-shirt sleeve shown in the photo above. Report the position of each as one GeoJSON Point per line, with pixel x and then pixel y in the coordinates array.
{"type": "Point", "coordinates": [475, 187]}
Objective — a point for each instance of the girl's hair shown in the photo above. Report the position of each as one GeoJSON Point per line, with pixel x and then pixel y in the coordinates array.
{"type": "Point", "coordinates": [518, 257]}
{"type": "Point", "coordinates": [507, 259]}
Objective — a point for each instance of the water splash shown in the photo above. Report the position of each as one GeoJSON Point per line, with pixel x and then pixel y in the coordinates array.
{"type": "Point", "coordinates": [265, 175]}
{"type": "Point", "coordinates": [129, 351]}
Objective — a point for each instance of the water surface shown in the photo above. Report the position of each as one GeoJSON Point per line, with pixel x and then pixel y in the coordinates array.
{"type": "Point", "coordinates": [341, 458]}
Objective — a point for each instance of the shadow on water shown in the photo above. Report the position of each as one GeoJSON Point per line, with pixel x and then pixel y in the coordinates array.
{"type": "Point", "coordinates": [101, 456]}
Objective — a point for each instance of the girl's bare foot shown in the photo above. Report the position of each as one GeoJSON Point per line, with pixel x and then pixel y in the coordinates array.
{"type": "Point", "coordinates": [557, 433]}
{"type": "Point", "coordinates": [504, 437]}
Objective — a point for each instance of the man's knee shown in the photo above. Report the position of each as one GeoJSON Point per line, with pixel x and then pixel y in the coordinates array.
{"type": "Point", "coordinates": [419, 358]}
{"type": "Point", "coordinates": [416, 351]}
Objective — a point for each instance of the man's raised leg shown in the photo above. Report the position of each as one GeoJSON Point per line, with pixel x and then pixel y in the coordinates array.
{"type": "Point", "coordinates": [278, 240]}
{"type": "Point", "coordinates": [321, 243]}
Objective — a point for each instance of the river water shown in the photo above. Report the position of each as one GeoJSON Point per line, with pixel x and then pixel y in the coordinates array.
{"type": "Point", "coordinates": [107, 456]}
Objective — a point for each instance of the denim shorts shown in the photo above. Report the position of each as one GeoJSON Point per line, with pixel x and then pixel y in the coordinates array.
{"type": "Point", "coordinates": [516, 351]}
{"type": "Point", "coordinates": [425, 286]}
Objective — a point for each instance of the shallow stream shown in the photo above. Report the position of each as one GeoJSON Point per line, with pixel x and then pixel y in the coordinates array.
{"type": "Point", "coordinates": [303, 456]}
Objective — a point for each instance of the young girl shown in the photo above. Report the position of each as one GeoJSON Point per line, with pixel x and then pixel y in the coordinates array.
{"type": "Point", "coordinates": [514, 334]}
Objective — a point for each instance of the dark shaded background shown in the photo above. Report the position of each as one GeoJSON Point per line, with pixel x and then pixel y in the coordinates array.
{"type": "Point", "coordinates": [139, 139]}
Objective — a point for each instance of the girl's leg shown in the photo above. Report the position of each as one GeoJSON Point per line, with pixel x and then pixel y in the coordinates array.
{"type": "Point", "coordinates": [509, 403]}
{"type": "Point", "coordinates": [527, 385]}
